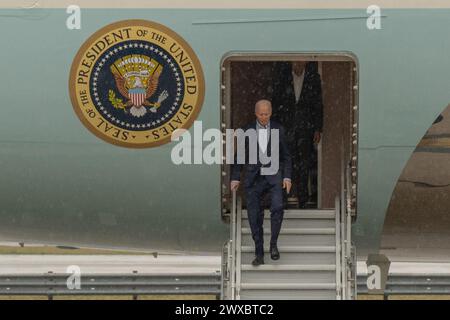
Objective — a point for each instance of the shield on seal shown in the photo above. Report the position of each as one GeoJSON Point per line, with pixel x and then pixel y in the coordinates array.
{"type": "Point", "coordinates": [137, 96]}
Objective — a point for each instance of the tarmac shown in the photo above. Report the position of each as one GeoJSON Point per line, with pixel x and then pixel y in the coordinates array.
{"type": "Point", "coordinates": [110, 264]}
{"type": "Point", "coordinates": [165, 265]}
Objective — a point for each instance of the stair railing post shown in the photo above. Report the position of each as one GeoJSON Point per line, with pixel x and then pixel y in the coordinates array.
{"type": "Point", "coordinates": [225, 286]}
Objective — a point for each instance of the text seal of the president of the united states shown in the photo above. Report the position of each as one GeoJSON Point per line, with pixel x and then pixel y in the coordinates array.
{"type": "Point", "coordinates": [134, 82]}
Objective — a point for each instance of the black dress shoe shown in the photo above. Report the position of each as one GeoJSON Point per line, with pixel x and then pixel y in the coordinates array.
{"type": "Point", "coordinates": [274, 253]}
{"type": "Point", "coordinates": [258, 261]}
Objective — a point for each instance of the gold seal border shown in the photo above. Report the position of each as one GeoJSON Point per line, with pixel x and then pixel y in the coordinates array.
{"type": "Point", "coordinates": [136, 23]}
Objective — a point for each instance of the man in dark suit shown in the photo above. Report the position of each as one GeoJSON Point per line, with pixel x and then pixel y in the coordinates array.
{"type": "Point", "coordinates": [263, 176]}
{"type": "Point", "coordinates": [297, 103]}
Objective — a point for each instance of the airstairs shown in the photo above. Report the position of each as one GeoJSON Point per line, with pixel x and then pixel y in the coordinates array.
{"type": "Point", "coordinates": [317, 257]}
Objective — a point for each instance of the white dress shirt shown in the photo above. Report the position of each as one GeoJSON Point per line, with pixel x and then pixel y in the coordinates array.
{"type": "Point", "coordinates": [263, 135]}
{"type": "Point", "coordinates": [298, 84]}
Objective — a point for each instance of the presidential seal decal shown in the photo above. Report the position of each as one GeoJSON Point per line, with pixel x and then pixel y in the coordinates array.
{"type": "Point", "coordinates": [134, 82]}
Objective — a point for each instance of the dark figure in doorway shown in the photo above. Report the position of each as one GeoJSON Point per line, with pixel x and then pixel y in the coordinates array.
{"type": "Point", "coordinates": [297, 104]}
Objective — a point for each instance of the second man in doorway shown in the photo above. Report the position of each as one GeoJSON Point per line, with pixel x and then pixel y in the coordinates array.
{"type": "Point", "coordinates": [297, 104]}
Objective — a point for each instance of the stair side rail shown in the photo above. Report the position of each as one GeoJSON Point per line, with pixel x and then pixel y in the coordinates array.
{"type": "Point", "coordinates": [233, 246]}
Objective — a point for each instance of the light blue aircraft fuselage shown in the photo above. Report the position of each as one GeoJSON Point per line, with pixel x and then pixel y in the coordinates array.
{"type": "Point", "coordinates": [60, 184]}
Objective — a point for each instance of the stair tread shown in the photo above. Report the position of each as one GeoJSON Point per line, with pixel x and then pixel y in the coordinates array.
{"type": "Point", "coordinates": [281, 286]}
{"type": "Point", "coordinates": [300, 214]}
{"type": "Point", "coordinates": [312, 249]}
{"type": "Point", "coordinates": [289, 267]}
{"type": "Point", "coordinates": [319, 231]}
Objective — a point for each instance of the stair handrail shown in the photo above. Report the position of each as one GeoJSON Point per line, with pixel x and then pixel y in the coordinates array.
{"type": "Point", "coordinates": [348, 247]}
{"type": "Point", "coordinates": [238, 255]}
{"type": "Point", "coordinates": [337, 209]}
{"type": "Point", "coordinates": [345, 228]}
{"type": "Point", "coordinates": [342, 225]}
{"type": "Point", "coordinates": [233, 245]}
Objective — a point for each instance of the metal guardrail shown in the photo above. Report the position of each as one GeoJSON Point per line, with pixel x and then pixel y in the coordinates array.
{"type": "Point", "coordinates": [187, 284]}
{"type": "Point", "coordinates": [107, 284]}
{"type": "Point", "coordinates": [411, 285]}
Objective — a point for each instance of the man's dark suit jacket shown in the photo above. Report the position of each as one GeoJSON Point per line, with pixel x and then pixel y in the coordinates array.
{"type": "Point", "coordinates": [306, 115]}
{"type": "Point", "coordinates": [253, 170]}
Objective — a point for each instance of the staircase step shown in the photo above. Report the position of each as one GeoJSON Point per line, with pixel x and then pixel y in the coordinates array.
{"type": "Point", "coordinates": [297, 231]}
{"type": "Point", "coordinates": [300, 214]}
{"type": "Point", "coordinates": [294, 239]}
{"type": "Point", "coordinates": [288, 276]}
{"type": "Point", "coordinates": [288, 286]}
{"type": "Point", "coordinates": [289, 267]}
{"type": "Point", "coordinates": [287, 294]}
{"type": "Point", "coordinates": [294, 255]}
{"type": "Point", "coordinates": [297, 223]}
{"type": "Point", "coordinates": [295, 258]}
{"type": "Point", "coordinates": [299, 249]}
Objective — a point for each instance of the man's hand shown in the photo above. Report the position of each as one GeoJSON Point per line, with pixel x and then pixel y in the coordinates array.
{"type": "Point", "coordinates": [287, 184]}
{"type": "Point", "coordinates": [316, 137]}
{"type": "Point", "coordinates": [234, 185]}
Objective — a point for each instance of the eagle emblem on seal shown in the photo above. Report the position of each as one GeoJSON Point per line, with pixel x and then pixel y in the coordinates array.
{"type": "Point", "coordinates": [136, 77]}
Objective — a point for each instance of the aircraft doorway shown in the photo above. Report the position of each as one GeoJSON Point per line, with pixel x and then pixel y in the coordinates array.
{"type": "Point", "coordinates": [248, 78]}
